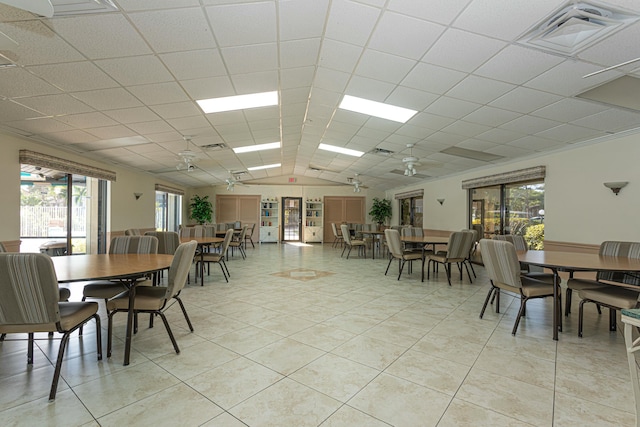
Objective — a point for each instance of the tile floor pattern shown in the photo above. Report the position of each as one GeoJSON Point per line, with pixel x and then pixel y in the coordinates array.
{"type": "Point", "coordinates": [353, 348]}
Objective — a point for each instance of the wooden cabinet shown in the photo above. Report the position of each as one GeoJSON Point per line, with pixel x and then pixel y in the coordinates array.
{"type": "Point", "coordinates": [314, 221]}
{"type": "Point", "coordinates": [269, 216]}
{"type": "Point", "coordinates": [342, 209]}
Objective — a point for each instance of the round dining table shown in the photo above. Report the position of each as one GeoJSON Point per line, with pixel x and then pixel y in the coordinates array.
{"type": "Point", "coordinates": [124, 267]}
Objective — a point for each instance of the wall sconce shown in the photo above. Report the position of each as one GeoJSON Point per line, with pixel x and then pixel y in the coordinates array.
{"type": "Point", "coordinates": [441, 201]}
{"type": "Point", "coordinates": [137, 195]}
{"type": "Point", "coordinates": [616, 186]}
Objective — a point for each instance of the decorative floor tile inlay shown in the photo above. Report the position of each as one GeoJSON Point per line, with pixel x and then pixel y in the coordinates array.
{"type": "Point", "coordinates": [303, 274]}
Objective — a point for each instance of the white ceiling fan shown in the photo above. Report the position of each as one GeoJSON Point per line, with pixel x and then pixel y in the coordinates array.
{"type": "Point", "coordinates": [357, 184]}
{"type": "Point", "coordinates": [410, 162]}
{"type": "Point", "coordinates": [187, 157]}
{"type": "Point", "coordinates": [234, 178]}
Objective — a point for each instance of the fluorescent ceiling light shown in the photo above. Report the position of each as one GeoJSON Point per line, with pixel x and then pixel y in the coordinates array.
{"type": "Point", "coordinates": [341, 150]}
{"type": "Point", "coordinates": [376, 109]}
{"type": "Point", "coordinates": [238, 102]}
{"type": "Point", "coordinates": [257, 168]}
{"type": "Point", "coordinates": [258, 147]}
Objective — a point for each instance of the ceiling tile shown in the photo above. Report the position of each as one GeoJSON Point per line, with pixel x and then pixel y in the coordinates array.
{"type": "Point", "coordinates": [515, 64]}
{"type": "Point", "coordinates": [431, 78]}
{"type": "Point", "coordinates": [55, 104]}
{"type": "Point", "coordinates": [101, 36]}
{"type": "Point", "coordinates": [382, 66]}
{"type": "Point", "coordinates": [251, 58]}
{"type": "Point", "coordinates": [299, 53]}
{"type": "Point", "coordinates": [177, 109]}
{"type": "Point", "coordinates": [444, 13]}
{"type": "Point", "coordinates": [567, 110]}
{"type": "Point", "coordinates": [529, 124]}
{"type": "Point", "coordinates": [479, 89]}
{"type": "Point", "coordinates": [404, 36]}
{"type": "Point", "coordinates": [446, 52]}
{"type": "Point", "coordinates": [132, 115]}
{"type": "Point", "coordinates": [175, 29]}
{"type": "Point", "coordinates": [450, 107]}
{"type": "Point", "coordinates": [524, 100]}
{"type": "Point", "coordinates": [195, 64]}
{"type": "Point", "coordinates": [10, 111]}
{"type": "Point", "coordinates": [491, 116]}
{"type": "Point", "coordinates": [87, 120]}
{"type": "Point", "coordinates": [74, 76]}
{"type": "Point", "coordinates": [241, 24]}
{"type": "Point", "coordinates": [351, 22]}
{"type": "Point", "coordinates": [159, 93]}
{"type": "Point", "coordinates": [108, 99]}
{"type": "Point", "coordinates": [212, 87]}
{"type": "Point", "coordinates": [136, 70]}
{"type": "Point", "coordinates": [20, 82]}
{"type": "Point", "coordinates": [112, 132]}
{"type": "Point", "coordinates": [301, 19]}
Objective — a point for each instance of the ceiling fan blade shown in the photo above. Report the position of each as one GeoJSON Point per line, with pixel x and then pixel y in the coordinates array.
{"type": "Point", "coordinates": [39, 7]}
{"type": "Point", "coordinates": [611, 68]}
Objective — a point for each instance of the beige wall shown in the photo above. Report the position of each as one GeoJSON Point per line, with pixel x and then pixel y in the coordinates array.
{"type": "Point", "coordinates": [125, 210]}
{"type": "Point", "coordinates": [279, 191]}
{"type": "Point", "coordinates": [578, 208]}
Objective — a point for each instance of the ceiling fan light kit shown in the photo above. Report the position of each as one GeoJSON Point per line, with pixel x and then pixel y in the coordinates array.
{"type": "Point", "coordinates": [410, 162]}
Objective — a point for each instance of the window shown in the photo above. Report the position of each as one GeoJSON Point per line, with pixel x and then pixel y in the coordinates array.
{"type": "Point", "coordinates": [168, 211]}
{"type": "Point", "coordinates": [514, 208]}
{"type": "Point", "coordinates": [410, 204]}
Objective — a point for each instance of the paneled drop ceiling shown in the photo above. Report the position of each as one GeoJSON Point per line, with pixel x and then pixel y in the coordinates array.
{"type": "Point", "coordinates": [121, 86]}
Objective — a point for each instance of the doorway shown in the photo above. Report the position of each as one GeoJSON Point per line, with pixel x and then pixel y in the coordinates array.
{"type": "Point", "coordinates": [291, 219]}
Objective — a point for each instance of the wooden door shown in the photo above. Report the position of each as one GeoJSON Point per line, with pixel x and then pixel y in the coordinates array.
{"type": "Point", "coordinates": [243, 208]}
{"type": "Point", "coordinates": [342, 209]}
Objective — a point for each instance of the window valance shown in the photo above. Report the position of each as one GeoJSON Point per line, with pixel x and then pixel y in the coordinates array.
{"type": "Point", "coordinates": [521, 175]}
{"type": "Point", "coordinates": [33, 158]}
{"type": "Point", "coordinates": [167, 189]}
{"type": "Point", "coordinates": [408, 194]}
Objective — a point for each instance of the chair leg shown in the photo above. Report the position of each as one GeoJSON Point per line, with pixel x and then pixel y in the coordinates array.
{"type": "Point", "coordinates": [468, 273]}
{"type": "Point", "coordinates": [580, 319]}
{"type": "Point", "coordinates": [567, 303]}
{"type": "Point", "coordinates": [56, 372]}
{"type": "Point", "coordinates": [166, 325]}
{"type": "Point", "coordinates": [349, 252]}
{"type": "Point", "coordinates": [343, 249]}
{"type": "Point", "coordinates": [486, 300]}
{"type": "Point", "coordinates": [447, 269]}
{"type": "Point", "coordinates": [388, 265]}
{"type": "Point", "coordinates": [223, 272]}
{"type": "Point", "coordinates": [184, 311]}
{"type": "Point", "coordinates": [472, 269]}
{"type": "Point", "coordinates": [523, 305]}
{"type": "Point", "coordinates": [225, 266]}
{"type": "Point", "coordinates": [109, 331]}
{"type": "Point", "coordinates": [401, 267]}
{"type": "Point", "coordinates": [612, 319]}
{"type": "Point", "coordinates": [30, 349]}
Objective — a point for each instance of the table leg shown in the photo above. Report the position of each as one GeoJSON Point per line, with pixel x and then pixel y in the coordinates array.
{"type": "Point", "coordinates": [201, 266]}
{"type": "Point", "coordinates": [556, 304]}
{"type": "Point", "coordinates": [130, 314]}
{"type": "Point", "coordinates": [422, 279]}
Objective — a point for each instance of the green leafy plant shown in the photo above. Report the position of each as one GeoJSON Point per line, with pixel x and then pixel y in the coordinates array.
{"type": "Point", "coordinates": [201, 209]}
{"type": "Point", "coordinates": [535, 236]}
{"type": "Point", "coordinates": [380, 210]}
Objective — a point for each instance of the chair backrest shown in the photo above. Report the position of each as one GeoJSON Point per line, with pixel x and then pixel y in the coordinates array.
{"type": "Point", "coordinates": [221, 226]}
{"type": "Point", "coordinates": [227, 239]}
{"type": "Point", "coordinates": [179, 269]}
{"type": "Point", "coordinates": [2, 248]}
{"type": "Point", "coordinates": [517, 240]}
{"type": "Point", "coordinates": [29, 289]}
{"type": "Point", "coordinates": [393, 241]}
{"type": "Point", "coordinates": [187, 232]}
{"type": "Point", "coordinates": [476, 236]}
{"type": "Point", "coordinates": [412, 232]}
{"type": "Point", "coordinates": [134, 245]}
{"type": "Point", "coordinates": [168, 241]}
{"type": "Point", "coordinates": [210, 230]}
{"type": "Point", "coordinates": [345, 233]}
{"type": "Point", "coordinates": [132, 232]}
{"type": "Point", "coordinates": [459, 245]}
{"type": "Point", "coordinates": [501, 262]}
{"type": "Point", "coordinates": [198, 231]}
{"type": "Point", "coordinates": [369, 227]}
{"type": "Point", "coordinates": [620, 249]}
{"type": "Point", "coordinates": [335, 230]}
{"type": "Point", "coordinates": [229, 225]}
{"type": "Point", "coordinates": [479, 230]}
{"type": "Point", "coordinates": [243, 233]}
{"type": "Point", "coordinates": [250, 228]}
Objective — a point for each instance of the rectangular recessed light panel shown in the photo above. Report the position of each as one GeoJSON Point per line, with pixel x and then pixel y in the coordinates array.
{"type": "Point", "coordinates": [376, 109]}
{"type": "Point", "coordinates": [257, 168]}
{"type": "Point", "coordinates": [238, 102]}
{"type": "Point", "coordinates": [341, 150]}
{"type": "Point", "coordinates": [257, 147]}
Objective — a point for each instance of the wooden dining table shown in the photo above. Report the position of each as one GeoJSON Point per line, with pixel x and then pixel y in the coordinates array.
{"type": "Point", "coordinates": [425, 241]}
{"type": "Point", "coordinates": [560, 261]}
{"type": "Point", "coordinates": [202, 243]}
{"type": "Point", "coordinates": [124, 267]}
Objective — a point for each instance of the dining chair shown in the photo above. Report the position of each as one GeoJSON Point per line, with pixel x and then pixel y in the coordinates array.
{"type": "Point", "coordinates": [457, 252]}
{"type": "Point", "coordinates": [30, 303]}
{"type": "Point", "coordinates": [132, 232]}
{"type": "Point", "coordinates": [631, 318]}
{"type": "Point", "coordinates": [187, 232]}
{"type": "Point", "coordinates": [249, 236]}
{"type": "Point", "coordinates": [412, 232]}
{"type": "Point", "coordinates": [474, 247]}
{"type": "Point", "coordinates": [105, 289]}
{"type": "Point", "coordinates": [521, 245]}
{"type": "Point", "coordinates": [239, 242]}
{"type": "Point", "coordinates": [351, 243]}
{"type": "Point", "coordinates": [622, 293]}
{"type": "Point", "coordinates": [337, 235]}
{"type": "Point", "coordinates": [607, 248]}
{"type": "Point", "coordinates": [396, 251]}
{"type": "Point", "coordinates": [218, 257]}
{"type": "Point", "coordinates": [503, 268]}
{"type": "Point", "coordinates": [155, 299]}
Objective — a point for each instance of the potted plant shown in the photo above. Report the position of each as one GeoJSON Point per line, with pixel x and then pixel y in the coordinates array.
{"type": "Point", "coordinates": [380, 210]}
{"type": "Point", "coordinates": [201, 209]}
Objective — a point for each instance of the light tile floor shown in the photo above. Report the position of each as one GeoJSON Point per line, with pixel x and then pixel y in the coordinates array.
{"type": "Point", "coordinates": [302, 337]}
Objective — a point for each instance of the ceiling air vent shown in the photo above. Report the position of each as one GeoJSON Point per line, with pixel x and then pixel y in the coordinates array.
{"type": "Point", "coordinates": [214, 147]}
{"type": "Point", "coordinates": [576, 26]}
{"type": "Point", "coordinates": [381, 151]}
